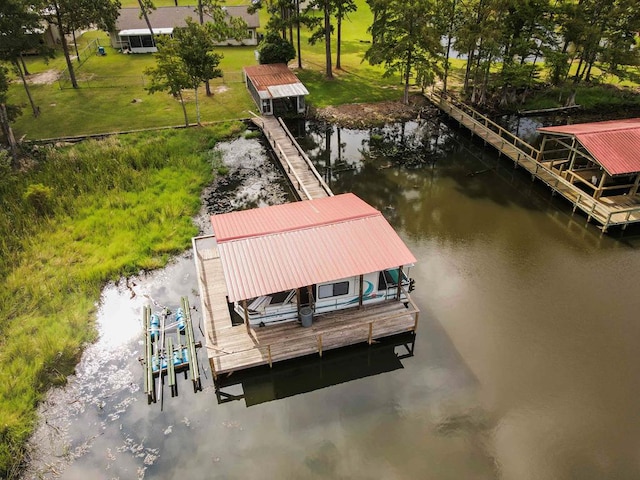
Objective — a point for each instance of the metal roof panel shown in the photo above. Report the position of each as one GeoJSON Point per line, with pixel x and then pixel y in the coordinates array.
{"type": "Point", "coordinates": [278, 248]}
{"type": "Point", "coordinates": [615, 145]}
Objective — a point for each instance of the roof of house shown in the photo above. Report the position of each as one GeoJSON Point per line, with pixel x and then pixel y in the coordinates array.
{"type": "Point", "coordinates": [275, 81]}
{"type": "Point", "coordinates": [615, 145]}
{"type": "Point", "coordinates": [171, 17]}
{"type": "Point", "coordinates": [278, 248]}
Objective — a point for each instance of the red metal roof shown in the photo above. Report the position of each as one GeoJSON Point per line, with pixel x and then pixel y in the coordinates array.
{"type": "Point", "coordinates": [270, 75]}
{"type": "Point", "coordinates": [614, 144]}
{"type": "Point", "coordinates": [272, 249]}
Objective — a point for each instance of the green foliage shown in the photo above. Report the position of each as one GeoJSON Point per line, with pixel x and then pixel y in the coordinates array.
{"type": "Point", "coordinates": [121, 205]}
{"type": "Point", "coordinates": [40, 198]}
{"type": "Point", "coordinates": [406, 40]}
{"type": "Point", "coordinates": [275, 49]}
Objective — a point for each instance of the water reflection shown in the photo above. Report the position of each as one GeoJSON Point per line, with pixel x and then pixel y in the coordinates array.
{"type": "Point", "coordinates": [525, 364]}
{"type": "Point", "coordinates": [307, 374]}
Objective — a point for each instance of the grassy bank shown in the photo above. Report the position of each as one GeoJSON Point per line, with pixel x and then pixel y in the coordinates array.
{"type": "Point", "coordinates": [79, 217]}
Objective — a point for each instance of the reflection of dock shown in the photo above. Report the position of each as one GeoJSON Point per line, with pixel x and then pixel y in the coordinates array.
{"type": "Point", "coordinates": [235, 347]}
{"type": "Point", "coordinates": [312, 373]}
{"type": "Point", "coordinates": [607, 211]}
{"type": "Point", "coordinates": [303, 176]}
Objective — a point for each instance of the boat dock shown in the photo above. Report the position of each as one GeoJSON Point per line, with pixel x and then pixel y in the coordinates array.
{"type": "Point", "coordinates": [235, 347]}
{"type": "Point", "coordinates": [303, 176]}
{"type": "Point", "coordinates": [607, 211]}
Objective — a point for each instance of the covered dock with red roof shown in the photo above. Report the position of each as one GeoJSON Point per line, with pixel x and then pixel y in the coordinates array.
{"type": "Point", "coordinates": [602, 158]}
{"type": "Point", "coordinates": [293, 247]}
{"type": "Point", "coordinates": [275, 89]}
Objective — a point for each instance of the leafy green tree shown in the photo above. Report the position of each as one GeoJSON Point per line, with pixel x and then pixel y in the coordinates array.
{"type": "Point", "coordinates": [222, 26]}
{"type": "Point", "coordinates": [195, 47]}
{"type": "Point", "coordinates": [343, 8]}
{"type": "Point", "coordinates": [275, 49]}
{"type": "Point", "coordinates": [169, 74]}
{"type": "Point", "coordinates": [19, 22]}
{"type": "Point", "coordinates": [406, 40]}
{"type": "Point", "coordinates": [69, 14]}
{"type": "Point", "coordinates": [322, 29]}
{"type": "Point", "coordinates": [146, 8]}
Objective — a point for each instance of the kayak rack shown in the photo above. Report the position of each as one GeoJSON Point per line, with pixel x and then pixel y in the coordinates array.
{"type": "Point", "coordinates": [169, 349]}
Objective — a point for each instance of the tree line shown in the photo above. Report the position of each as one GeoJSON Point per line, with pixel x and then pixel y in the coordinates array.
{"type": "Point", "coordinates": [505, 43]}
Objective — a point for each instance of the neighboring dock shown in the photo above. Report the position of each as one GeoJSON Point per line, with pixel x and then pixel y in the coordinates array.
{"type": "Point", "coordinates": [607, 211]}
{"type": "Point", "coordinates": [303, 176]}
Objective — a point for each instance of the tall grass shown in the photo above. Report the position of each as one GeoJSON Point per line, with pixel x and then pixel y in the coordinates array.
{"type": "Point", "coordinates": [110, 208]}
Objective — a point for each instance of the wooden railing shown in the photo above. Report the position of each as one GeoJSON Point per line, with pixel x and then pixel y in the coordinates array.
{"type": "Point", "coordinates": [447, 103]}
{"type": "Point", "coordinates": [266, 350]}
{"type": "Point", "coordinates": [527, 156]}
{"type": "Point", "coordinates": [310, 166]}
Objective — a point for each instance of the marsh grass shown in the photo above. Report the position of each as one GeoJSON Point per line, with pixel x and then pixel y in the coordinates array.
{"type": "Point", "coordinates": [119, 206]}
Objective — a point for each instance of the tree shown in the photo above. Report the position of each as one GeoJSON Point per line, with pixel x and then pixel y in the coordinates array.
{"type": "Point", "coordinates": [8, 113]}
{"type": "Point", "coordinates": [195, 44]}
{"type": "Point", "coordinates": [323, 29]}
{"type": "Point", "coordinates": [343, 8]}
{"type": "Point", "coordinates": [222, 26]}
{"type": "Point", "coordinates": [69, 14]}
{"type": "Point", "coordinates": [405, 40]}
{"type": "Point", "coordinates": [146, 7]}
{"type": "Point", "coordinates": [19, 23]}
{"type": "Point", "coordinates": [169, 74]}
{"type": "Point", "coordinates": [275, 49]}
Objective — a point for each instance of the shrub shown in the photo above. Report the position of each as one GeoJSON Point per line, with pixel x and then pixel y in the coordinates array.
{"type": "Point", "coordinates": [40, 197]}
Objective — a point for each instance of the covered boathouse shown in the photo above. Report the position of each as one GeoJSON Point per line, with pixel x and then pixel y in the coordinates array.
{"type": "Point", "coordinates": [601, 158]}
{"type": "Point", "coordinates": [275, 89]}
{"type": "Point", "coordinates": [332, 268]}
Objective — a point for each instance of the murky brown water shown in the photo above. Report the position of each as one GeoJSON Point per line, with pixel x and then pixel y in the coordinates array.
{"type": "Point", "coordinates": [525, 363]}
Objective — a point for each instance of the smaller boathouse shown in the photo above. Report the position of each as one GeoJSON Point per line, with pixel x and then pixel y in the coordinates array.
{"type": "Point", "coordinates": [601, 158]}
{"type": "Point", "coordinates": [290, 280]}
{"type": "Point", "coordinates": [275, 89]}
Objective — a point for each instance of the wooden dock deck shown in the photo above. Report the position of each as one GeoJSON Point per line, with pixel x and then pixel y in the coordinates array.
{"type": "Point", "coordinates": [303, 176]}
{"type": "Point", "coordinates": [607, 211]}
{"type": "Point", "coordinates": [234, 347]}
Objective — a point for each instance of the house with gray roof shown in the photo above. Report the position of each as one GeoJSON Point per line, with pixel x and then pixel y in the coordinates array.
{"type": "Point", "coordinates": [132, 33]}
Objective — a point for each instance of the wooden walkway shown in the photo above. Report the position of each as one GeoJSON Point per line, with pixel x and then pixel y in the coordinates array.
{"type": "Point", "coordinates": [303, 176]}
{"type": "Point", "coordinates": [607, 211]}
{"type": "Point", "coordinates": [234, 347]}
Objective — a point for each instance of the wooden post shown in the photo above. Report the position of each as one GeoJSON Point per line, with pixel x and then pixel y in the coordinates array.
{"type": "Point", "coordinates": [399, 283]}
{"type": "Point", "coordinates": [634, 189]}
{"type": "Point", "coordinates": [246, 316]}
{"type": "Point", "coordinates": [361, 291]}
{"type": "Point", "coordinates": [320, 344]}
{"type": "Point", "coordinates": [269, 355]}
{"type": "Point", "coordinates": [598, 191]}
{"type": "Point", "coordinates": [212, 366]}
{"type": "Point", "coordinates": [311, 302]}
{"type": "Point", "coordinates": [370, 332]}
{"type": "Point", "coordinates": [541, 151]}
{"type": "Point", "coordinates": [415, 324]}
{"type": "Point", "coordinates": [572, 156]}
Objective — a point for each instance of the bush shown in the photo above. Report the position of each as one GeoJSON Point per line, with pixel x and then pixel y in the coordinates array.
{"type": "Point", "coordinates": [40, 197]}
{"type": "Point", "coordinates": [275, 49]}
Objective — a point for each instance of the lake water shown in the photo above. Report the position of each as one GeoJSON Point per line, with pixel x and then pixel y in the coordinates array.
{"type": "Point", "coordinates": [524, 367]}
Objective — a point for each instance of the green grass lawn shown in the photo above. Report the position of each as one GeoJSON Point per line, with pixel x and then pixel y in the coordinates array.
{"type": "Point", "coordinates": [112, 97]}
